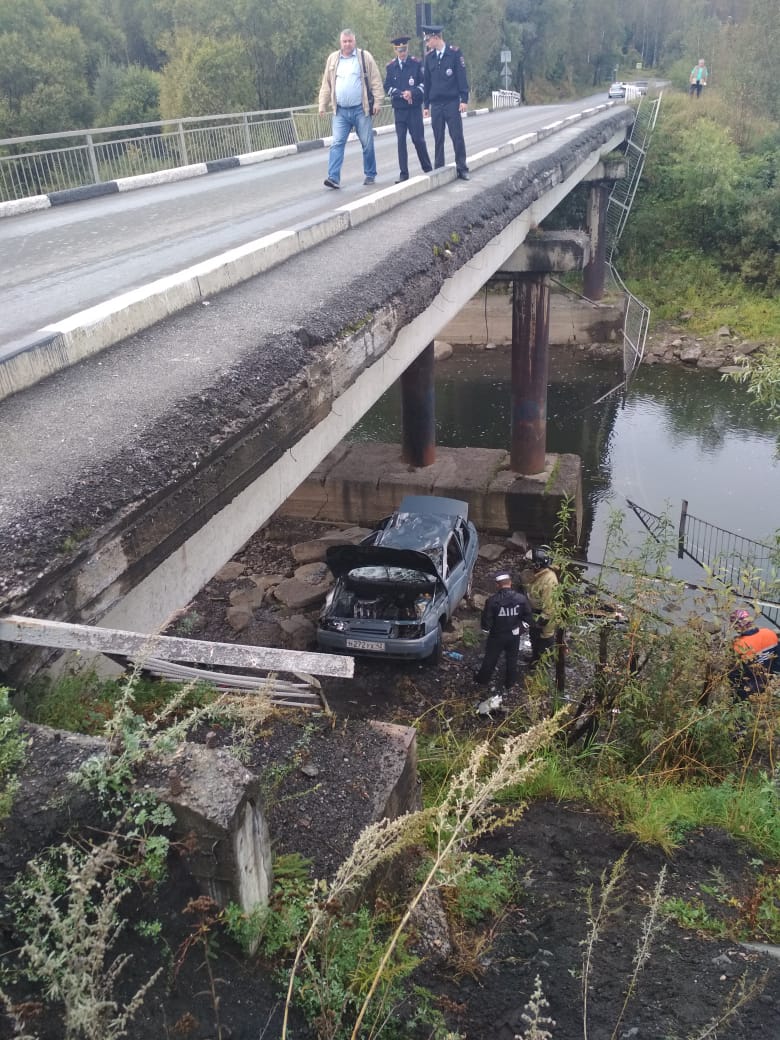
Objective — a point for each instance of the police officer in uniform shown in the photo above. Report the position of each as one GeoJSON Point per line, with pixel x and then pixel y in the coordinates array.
{"type": "Point", "coordinates": [504, 614]}
{"type": "Point", "coordinates": [404, 87]}
{"type": "Point", "coordinates": [446, 96]}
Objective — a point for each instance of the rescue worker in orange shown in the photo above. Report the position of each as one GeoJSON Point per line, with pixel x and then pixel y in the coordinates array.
{"type": "Point", "coordinates": [757, 655]}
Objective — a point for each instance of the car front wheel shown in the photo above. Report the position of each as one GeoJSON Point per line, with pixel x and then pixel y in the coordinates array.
{"type": "Point", "coordinates": [434, 659]}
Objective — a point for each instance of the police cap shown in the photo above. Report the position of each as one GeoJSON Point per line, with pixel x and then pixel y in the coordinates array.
{"type": "Point", "coordinates": [399, 41]}
{"type": "Point", "coordinates": [431, 30]}
{"type": "Point", "coordinates": [502, 577]}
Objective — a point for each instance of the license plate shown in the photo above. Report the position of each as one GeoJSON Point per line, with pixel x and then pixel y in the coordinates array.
{"type": "Point", "coordinates": [364, 644]}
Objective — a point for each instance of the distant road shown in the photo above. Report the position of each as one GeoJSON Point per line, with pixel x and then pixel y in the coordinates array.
{"type": "Point", "coordinates": [58, 261]}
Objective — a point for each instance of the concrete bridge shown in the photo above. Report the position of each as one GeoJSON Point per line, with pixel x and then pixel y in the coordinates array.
{"type": "Point", "coordinates": [131, 477]}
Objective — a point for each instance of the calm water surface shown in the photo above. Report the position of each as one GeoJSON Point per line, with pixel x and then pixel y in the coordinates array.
{"type": "Point", "coordinates": [679, 434]}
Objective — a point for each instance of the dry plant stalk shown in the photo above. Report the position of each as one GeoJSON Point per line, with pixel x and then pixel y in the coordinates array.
{"type": "Point", "coordinates": [71, 939]}
{"type": "Point", "coordinates": [376, 844]}
{"type": "Point", "coordinates": [597, 919]}
{"type": "Point", "coordinates": [466, 814]}
{"type": "Point", "coordinates": [534, 1016]}
{"type": "Point", "coordinates": [653, 923]}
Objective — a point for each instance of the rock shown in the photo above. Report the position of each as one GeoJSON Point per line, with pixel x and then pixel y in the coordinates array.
{"type": "Point", "coordinates": [299, 632]}
{"type": "Point", "coordinates": [724, 332]}
{"type": "Point", "coordinates": [307, 587]}
{"type": "Point", "coordinates": [238, 617]}
{"type": "Point", "coordinates": [517, 540]}
{"type": "Point", "coordinates": [490, 551]}
{"type": "Point", "coordinates": [747, 348]}
{"type": "Point", "coordinates": [310, 552]}
{"type": "Point", "coordinates": [677, 343]}
{"type": "Point", "coordinates": [478, 601]}
{"type": "Point", "coordinates": [230, 571]}
{"type": "Point", "coordinates": [490, 346]}
{"type": "Point", "coordinates": [690, 355]}
{"type": "Point", "coordinates": [248, 598]}
{"type": "Point", "coordinates": [442, 350]}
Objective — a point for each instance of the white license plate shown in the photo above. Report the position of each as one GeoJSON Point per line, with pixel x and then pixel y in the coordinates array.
{"type": "Point", "coordinates": [364, 644]}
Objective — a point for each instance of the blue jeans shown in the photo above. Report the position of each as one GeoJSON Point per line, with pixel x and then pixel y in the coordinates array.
{"type": "Point", "coordinates": [346, 119]}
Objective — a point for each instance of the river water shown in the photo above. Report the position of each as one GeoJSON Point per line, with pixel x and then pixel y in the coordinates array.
{"type": "Point", "coordinates": [679, 434]}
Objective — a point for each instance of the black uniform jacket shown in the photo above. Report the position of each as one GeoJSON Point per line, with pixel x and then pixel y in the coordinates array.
{"type": "Point", "coordinates": [446, 80]}
{"type": "Point", "coordinates": [504, 611]}
{"type": "Point", "coordinates": [398, 80]}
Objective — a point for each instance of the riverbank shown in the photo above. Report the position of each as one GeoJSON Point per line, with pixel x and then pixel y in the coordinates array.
{"type": "Point", "coordinates": [595, 330]}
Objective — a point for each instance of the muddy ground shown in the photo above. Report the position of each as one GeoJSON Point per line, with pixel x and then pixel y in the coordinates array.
{"type": "Point", "coordinates": [689, 981]}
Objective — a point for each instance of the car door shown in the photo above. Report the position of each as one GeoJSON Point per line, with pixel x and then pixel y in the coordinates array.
{"type": "Point", "coordinates": [457, 575]}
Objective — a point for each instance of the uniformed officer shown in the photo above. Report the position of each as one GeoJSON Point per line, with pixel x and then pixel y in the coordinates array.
{"type": "Point", "coordinates": [446, 96]}
{"type": "Point", "coordinates": [504, 614]}
{"type": "Point", "coordinates": [404, 87]}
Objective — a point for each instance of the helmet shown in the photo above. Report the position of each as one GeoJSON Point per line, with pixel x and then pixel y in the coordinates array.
{"type": "Point", "coordinates": [740, 618]}
{"type": "Point", "coordinates": [540, 556]}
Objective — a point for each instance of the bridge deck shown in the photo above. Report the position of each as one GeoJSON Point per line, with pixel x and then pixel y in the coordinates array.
{"type": "Point", "coordinates": [122, 463]}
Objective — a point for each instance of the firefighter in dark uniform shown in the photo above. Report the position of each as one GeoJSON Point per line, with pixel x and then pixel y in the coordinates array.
{"type": "Point", "coordinates": [404, 87]}
{"type": "Point", "coordinates": [506, 611]}
{"type": "Point", "coordinates": [446, 96]}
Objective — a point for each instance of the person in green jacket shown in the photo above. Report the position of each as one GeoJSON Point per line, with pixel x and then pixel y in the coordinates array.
{"type": "Point", "coordinates": [697, 78]}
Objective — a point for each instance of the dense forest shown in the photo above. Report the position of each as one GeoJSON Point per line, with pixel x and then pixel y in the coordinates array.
{"type": "Point", "coordinates": [68, 64]}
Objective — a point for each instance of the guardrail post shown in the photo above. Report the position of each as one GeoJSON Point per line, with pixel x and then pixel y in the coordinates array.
{"type": "Point", "coordinates": [93, 160]}
{"type": "Point", "coordinates": [183, 160]}
{"type": "Point", "coordinates": [247, 135]}
{"type": "Point", "coordinates": [296, 138]}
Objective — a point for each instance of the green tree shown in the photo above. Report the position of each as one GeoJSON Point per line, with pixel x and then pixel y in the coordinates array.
{"type": "Point", "coordinates": [127, 94]}
{"type": "Point", "coordinates": [206, 77]}
{"type": "Point", "coordinates": [43, 65]}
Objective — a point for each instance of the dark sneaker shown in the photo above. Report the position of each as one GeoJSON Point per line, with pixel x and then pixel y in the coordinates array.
{"type": "Point", "coordinates": [463, 175]}
{"type": "Point", "coordinates": [329, 183]}
{"type": "Point", "coordinates": [369, 180]}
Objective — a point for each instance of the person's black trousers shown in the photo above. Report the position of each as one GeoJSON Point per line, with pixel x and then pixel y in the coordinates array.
{"type": "Point", "coordinates": [509, 645]}
{"type": "Point", "coordinates": [411, 121]}
{"type": "Point", "coordinates": [447, 114]}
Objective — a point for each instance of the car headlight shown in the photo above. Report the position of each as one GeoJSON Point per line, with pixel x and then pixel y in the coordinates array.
{"type": "Point", "coordinates": [333, 624]}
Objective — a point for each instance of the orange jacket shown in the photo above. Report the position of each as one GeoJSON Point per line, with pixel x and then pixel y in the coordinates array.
{"type": "Point", "coordinates": [757, 645]}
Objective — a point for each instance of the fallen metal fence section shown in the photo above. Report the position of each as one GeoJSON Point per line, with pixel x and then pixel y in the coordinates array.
{"type": "Point", "coordinates": [46, 163]}
{"type": "Point", "coordinates": [749, 569]}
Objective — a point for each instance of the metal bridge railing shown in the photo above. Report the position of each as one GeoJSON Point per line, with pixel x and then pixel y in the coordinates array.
{"type": "Point", "coordinates": [636, 321]}
{"type": "Point", "coordinates": [46, 163]}
{"type": "Point", "coordinates": [749, 569]}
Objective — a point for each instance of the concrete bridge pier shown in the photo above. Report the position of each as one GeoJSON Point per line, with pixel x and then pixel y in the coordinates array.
{"type": "Point", "coordinates": [600, 182]}
{"type": "Point", "coordinates": [418, 411]}
{"type": "Point", "coordinates": [530, 353]}
{"type": "Point", "coordinates": [595, 270]}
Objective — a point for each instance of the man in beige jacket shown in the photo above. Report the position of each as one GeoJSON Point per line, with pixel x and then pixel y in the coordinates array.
{"type": "Point", "coordinates": [352, 90]}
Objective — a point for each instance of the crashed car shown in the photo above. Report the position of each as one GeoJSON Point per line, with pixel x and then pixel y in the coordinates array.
{"type": "Point", "coordinates": [396, 590]}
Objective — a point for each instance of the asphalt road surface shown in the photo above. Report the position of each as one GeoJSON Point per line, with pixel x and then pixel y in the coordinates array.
{"type": "Point", "coordinates": [56, 262]}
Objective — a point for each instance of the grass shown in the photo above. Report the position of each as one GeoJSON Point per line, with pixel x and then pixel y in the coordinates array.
{"type": "Point", "coordinates": [689, 284]}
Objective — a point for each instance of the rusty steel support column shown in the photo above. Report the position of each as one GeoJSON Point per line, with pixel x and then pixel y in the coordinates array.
{"type": "Point", "coordinates": [594, 272]}
{"type": "Point", "coordinates": [418, 411]}
{"type": "Point", "coordinates": [530, 323]}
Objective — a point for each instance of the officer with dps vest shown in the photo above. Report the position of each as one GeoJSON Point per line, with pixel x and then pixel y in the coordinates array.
{"type": "Point", "coordinates": [505, 613]}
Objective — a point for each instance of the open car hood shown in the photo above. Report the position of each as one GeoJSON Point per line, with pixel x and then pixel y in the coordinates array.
{"type": "Point", "coordinates": [342, 559]}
